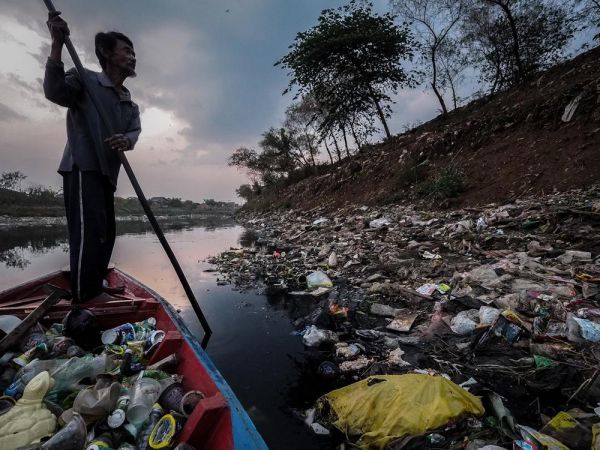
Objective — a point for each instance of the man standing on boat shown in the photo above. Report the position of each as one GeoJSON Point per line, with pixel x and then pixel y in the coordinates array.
{"type": "Point", "coordinates": [90, 163]}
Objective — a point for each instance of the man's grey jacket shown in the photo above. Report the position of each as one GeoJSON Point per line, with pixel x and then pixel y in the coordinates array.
{"type": "Point", "coordinates": [86, 132]}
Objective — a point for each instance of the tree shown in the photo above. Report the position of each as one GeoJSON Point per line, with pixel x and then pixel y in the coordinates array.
{"type": "Point", "coordinates": [246, 158]}
{"type": "Point", "coordinates": [277, 152]}
{"type": "Point", "coordinates": [301, 121]}
{"type": "Point", "coordinates": [509, 40]}
{"type": "Point", "coordinates": [453, 62]}
{"type": "Point", "coordinates": [589, 13]}
{"type": "Point", "coordinates": [433, 22]}
{"type": "Point", "coordinates": [43, 193]}
{"type": "Point", "coordinates": [350, 61]}
{"type": "Point", "coordinates": [245, 191]}
{"type": "Point", "coordinates": [275, 161]}
{"type": "Point", "coordinates": [508, 8]}
{"type": "Point", "coordinates": [12, 180]}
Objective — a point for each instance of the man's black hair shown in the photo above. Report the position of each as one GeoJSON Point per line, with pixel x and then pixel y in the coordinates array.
{"type": "Point", "coordinates": [108, 41]}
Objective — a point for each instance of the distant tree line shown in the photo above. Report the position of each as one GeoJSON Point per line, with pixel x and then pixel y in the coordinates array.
{"type": "Point", "coordinates": [12, 192]}
{"type": "Point", "coordinates": [345, 70]}
{"type": "Point", "coordinates": [13, 181]}
{"type": "Point", "coordinates": [170, 204]}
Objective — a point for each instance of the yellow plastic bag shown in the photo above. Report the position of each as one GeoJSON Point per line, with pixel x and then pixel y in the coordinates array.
{"type": "Point", "coordinates": [385, 408]}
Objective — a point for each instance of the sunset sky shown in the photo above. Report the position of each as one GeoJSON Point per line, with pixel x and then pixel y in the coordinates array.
{"type": "Point", "coordinates": [206, 85]}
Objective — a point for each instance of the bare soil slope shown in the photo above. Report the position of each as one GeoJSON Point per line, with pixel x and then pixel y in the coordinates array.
{"type": "Point", "coordinates": [506, 146]}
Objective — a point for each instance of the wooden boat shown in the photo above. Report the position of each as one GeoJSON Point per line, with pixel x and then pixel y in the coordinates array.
{"type": "Point", "coordinates": [218, 421]}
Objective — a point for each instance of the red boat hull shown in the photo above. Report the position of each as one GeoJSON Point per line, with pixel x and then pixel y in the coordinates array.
{"type": "Point", "coordinates": [218, 422]}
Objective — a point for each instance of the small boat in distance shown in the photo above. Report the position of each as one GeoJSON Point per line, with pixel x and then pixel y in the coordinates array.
{"type": "Point", "coordinates": [218, 421]}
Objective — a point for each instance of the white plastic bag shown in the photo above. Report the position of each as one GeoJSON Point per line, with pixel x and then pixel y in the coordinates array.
{"type": "Point", "coordinates": [318, 279]}
{"type": "Point", "coordinates": [465, 322]}
{"type": "Point", "coordinates": [487, 315]}
{"type": "Point", "coordinates": [313, 336]}
{"type": "Point", "coordinates": [379, 223]}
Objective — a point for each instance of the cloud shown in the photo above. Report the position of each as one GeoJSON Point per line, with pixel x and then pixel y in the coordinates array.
{"type": "Point", "coordinates": [17, 81]}
{"type": "Point", "coordinates": [7, 114]}
{"type": "Point", "coordinates": [206, 84]}
{"type": "Point", "coordinates": [33, 150]}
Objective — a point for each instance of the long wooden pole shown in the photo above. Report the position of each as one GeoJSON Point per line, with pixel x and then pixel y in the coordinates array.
{"type": "Point", "coordinates": [136, 187]}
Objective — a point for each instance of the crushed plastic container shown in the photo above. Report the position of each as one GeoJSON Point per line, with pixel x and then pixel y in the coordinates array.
{"type": "Point", "coordinates": [318, 279]}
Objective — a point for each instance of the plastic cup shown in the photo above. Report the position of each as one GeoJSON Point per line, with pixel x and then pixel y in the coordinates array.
{"type": "Point", "coordinates": [171, 397]}
{"type": "Point", "coordinates": [155, 337]}
{"type": "Point", "coordinates": [189, 402]}
{"type": "Point", "coordinates": [145, 393]}
{"type": "Point", "coordinates": [119, 335]}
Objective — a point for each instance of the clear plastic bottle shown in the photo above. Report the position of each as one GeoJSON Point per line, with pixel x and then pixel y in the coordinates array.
{"type": "Point", "coordinates": [117, 417]}
{"type": "Point", "coordinates": [27, 373]}
{"type": "Point", "coordinates": [142, 440]}
{"type": "Point", "coordinates": [71, 436]}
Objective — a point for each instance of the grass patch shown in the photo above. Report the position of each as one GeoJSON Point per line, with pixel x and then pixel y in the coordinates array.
{"type": "Point", "coordinates": [447, 183]}
{"type": "Point", "coordinates": [410, 174]}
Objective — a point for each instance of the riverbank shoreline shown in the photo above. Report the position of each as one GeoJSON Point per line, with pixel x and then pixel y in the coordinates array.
{"type": "Point", "coordinates": [401, 289]}
{"type": "Point", "coordinates": [15, 222]}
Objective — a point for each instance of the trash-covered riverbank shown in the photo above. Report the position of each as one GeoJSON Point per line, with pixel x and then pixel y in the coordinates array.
{"type": "Point", "coordinates": [502, 301]}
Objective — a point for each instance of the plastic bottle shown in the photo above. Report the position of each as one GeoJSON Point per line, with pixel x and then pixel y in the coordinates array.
{"type": "Point", "coordinates": [104, 441]}
{"type": "Point", "coordinates": [27, 373]}
{"type": "Point", "coordinates": [71, 436]}
{"type": "Point", "coordinates": [130, 367]}
{"type": "Point", "coordinates": [142, 440]}
{"type": "Point", "coordinates": [7, 375]}
{"type": "Point", "coordinates": [117, 417]}
{"type": "Point", "coordinates": [435, 439]}
{"type": "Point", "coordinates": [31, 354]}
{"type": "Point", "coordinates": [69, 374]}
{"type": "Point", "coordinates": [122, 436]}
{"type": "Point", "coordinates": [15, 389]}
{"type": "Point", "coordinates": [127, 446]}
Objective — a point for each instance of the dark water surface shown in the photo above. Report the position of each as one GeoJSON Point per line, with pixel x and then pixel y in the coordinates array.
{"type": "Point", "coordinates": [251, 343]}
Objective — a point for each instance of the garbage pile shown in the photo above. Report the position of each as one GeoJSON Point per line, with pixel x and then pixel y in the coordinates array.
{"type": "Point", "coordinates": [73, 386]}
{"type": "Point", "coordinates": [503, 301]}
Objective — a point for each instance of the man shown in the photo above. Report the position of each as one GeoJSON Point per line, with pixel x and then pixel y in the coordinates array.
{"type": "Point", "coordinates": [90, 163]}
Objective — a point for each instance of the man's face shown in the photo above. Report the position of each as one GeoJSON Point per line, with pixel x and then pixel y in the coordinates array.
{"type": "Point", "coordinates": [123, 57]}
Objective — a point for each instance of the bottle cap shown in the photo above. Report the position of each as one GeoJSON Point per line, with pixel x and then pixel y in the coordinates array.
{"type": "Point", "coordinates": [13, 389]}
{"type": "Point", "coordinates": [116, 419]}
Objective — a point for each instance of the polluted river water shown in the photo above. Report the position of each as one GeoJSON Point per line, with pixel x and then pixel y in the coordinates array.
{"type": "Point", "coordinates": [252, 344]}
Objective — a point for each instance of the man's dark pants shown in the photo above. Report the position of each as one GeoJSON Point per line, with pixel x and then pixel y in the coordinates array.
{"type": "Point", "coordinates": [89, 204]}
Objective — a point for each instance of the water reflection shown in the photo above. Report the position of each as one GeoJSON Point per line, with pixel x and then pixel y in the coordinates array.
{"type": "Point", "coordinates": [14, 258]}
{"type": "Point", "coordinates": [175, 224]}
{"type": "Point", "coordinates": [19, 244]}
